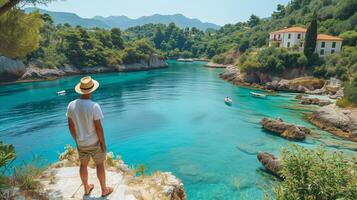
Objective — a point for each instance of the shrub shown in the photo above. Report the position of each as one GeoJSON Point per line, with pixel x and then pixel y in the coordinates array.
{"type": "Point", "coordinates": [7, 156]}
{"type": "Point", "coordinates": [316, 174]}
{"type": "Point", "coordinates": [350, 90]}
{"type": "Point", "coordinates": [272, 60]}
{"type": "Point", "coordinates": [26, 175]}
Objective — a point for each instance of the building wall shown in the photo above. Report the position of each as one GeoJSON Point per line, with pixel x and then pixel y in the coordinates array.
{"type": "Point", "coordinates": [285, 41]}
{"type": "Point", "coordinates": [327, 50]}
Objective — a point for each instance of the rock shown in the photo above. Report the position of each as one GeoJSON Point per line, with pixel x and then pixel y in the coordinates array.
{"type": "Point", "coordinates": [286, 130]}
{"type": "Point", "coordinates": [250, 77]}
{"type": "Point", "coordinates": [35, 73]}
{"type": "Point", "coordinates": [270, 162]}
{"type": "Point", "coordinates": [11, 70]}
{"type": "Point", "coordinates": [230, 73]}
{"type": "Point", "coordinates": [61, 181]}
{"type": "Point", "coordinates": [338, 121]}
{"type": "Point", "coordinates": [312, 101]}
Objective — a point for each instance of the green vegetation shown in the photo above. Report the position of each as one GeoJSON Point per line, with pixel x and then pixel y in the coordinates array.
{"type": "Point", "coordinates": [65, 45]}
{"type": "Point", "coordinates": [19, 33]}
{"type": "Point", "coordinates": [26, 175]}
{"type": "Point", "coordinates": [310, 41]}
{"type": "Point", "coordinates": [271, 60]}
{"type": "Point", "coordinates": [7, 157]}
{"type": "Point", "coordinates": [316, 174]}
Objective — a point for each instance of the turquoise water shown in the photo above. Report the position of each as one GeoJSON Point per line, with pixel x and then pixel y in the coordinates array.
{"type": "Point", "coordinates": [170, 119]}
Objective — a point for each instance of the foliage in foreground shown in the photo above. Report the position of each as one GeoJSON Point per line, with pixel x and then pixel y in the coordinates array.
{"type": "Point", "coordinates": [7, 156]}
{"type": "Point", "coordinates": [19, 33]}
{"type": "Point", "coordinates": [316, 174]}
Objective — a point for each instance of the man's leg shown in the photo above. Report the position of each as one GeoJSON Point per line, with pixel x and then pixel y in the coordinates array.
{"type": "Point", "coordinates": [83, 171]}
{"type": "Point", "coordinates": [101, 178]}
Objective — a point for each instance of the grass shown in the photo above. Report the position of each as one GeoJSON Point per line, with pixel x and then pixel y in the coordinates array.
{"type": "Point", "coordinates": [26, 175]}
{"type": "Point", "coordinates": [345, 103]}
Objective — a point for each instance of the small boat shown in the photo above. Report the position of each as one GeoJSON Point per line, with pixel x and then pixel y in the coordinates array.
{"type": "Point", "coordinates": [61, 93]}
{"type": "Point", "coordinates": [228, 101]}
{"type": "Point", "coordinates": [184, 60]}
{"type": "Point", "coordinates": [258, 95]}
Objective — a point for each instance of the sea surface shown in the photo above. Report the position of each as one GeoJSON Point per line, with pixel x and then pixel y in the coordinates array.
{"type": "Point", "coordinates": [171, 119]}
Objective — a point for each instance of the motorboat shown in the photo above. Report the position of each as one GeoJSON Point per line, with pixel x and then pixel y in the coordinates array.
{"type": "Point", "coordinates": [258, 95]}
{"type": "Point", "coordinates": [61, 93]}
{"type": "Point", "coordinates": [228, 101]}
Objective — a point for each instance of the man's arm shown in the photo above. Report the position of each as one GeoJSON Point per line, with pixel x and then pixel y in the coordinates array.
{"type": "Point", "coordinates": [72, 129]}
{"type": "Point", "coordinates": [100, 134]}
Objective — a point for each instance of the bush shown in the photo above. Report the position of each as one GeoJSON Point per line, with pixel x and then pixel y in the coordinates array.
{"type": "Point", "coordinates": [316, 174]}
{"type": "Point", "coordinates": [350, 90]}
{"type": "Point", "coordinates": [7, 156]}
{"type": "Point", "coordinates": [26, 175]}
{"type": "Point", "coordinates": [272, 60]}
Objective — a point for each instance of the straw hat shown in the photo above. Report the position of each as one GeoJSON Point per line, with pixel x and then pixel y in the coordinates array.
{"type": "Point", "coordinates": [86, 85]}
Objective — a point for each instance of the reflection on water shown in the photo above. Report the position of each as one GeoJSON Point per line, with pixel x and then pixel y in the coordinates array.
{"type": "Point", "coordinates": [170, 119]}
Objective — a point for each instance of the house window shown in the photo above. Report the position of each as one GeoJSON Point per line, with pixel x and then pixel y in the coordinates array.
{"type": "Point", "coordinates": [332, 51]}
{"type": "Point", "coordinates": [279, 36]}
{"type": "Point", "coordinates": [322, 52]}
{"type": "Point", "coordinates": [322, 44]}
{"type": "Point", "coordinates": [299, 36]}
{"type": "Point", "coordinates": [333, 44]}
{"type": "Point", "coordinates": [301, 44]}
{"type": "Point", "coordinates": [289, 36]}
{"type": "Point", "coordinates": [288, 44]}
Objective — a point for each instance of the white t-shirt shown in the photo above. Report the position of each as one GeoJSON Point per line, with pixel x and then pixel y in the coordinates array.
{"type": "Point", "coordinates": [83, 112]}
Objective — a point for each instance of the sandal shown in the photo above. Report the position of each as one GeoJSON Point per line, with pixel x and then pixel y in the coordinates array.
{"type": "Point", "coordinates": [110, 190]}
{"type": "Point", "coordinates": [91, 187]}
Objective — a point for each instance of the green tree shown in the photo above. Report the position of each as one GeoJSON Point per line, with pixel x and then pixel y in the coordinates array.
{"type": "Point", "coordinates": [158, 38]}
{"type": "Point", "coordinates": [310, 40]}
{"type": "Point", "coordinates": [19, 33]}
{"type": "Point", "coordinates": [117, 38]}
{"type": "Point", "coordinates": [253, 20]}
{"type": "Point", "coordinates": [6, 5]}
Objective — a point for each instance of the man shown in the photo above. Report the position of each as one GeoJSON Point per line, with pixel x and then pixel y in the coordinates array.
{"type": "Point", "coordinates": [84, 122]}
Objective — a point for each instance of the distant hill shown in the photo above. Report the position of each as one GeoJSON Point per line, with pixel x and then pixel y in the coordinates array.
{"type": "Point", "coordinates": [124, 22]}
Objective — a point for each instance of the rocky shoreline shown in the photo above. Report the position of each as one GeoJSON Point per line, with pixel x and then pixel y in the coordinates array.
{"type": "Point", "coordinates": [216, 65]}
{"type": "Point", "coordinates": [341, 122]}
{"type": "Point", "coordinates": [61, 181]}
{"type": "Point", "coordinates": [15, 71]}
{"type": "Point", "coordinates": [291, 81]}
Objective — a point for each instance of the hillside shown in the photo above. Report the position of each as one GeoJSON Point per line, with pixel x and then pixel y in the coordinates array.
{"type": "Point", "coordinates": [124, 22]}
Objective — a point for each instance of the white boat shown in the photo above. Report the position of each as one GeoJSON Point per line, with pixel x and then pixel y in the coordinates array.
{"type": "Point", "coordinates": [61, 93]}
{"type": "Point", "coordinates": [258, 95]}
{"type": "Point", "coordinates": [228, 100]}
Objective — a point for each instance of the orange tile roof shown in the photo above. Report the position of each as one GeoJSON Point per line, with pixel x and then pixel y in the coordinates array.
{"type": "Point", "coordinates": [328, 37]}
{"type": "Point", "coordinates": [291, 29]}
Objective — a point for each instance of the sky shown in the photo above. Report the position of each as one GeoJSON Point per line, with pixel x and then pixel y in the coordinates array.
{"type": "Point", "coordinates": [216, 11]}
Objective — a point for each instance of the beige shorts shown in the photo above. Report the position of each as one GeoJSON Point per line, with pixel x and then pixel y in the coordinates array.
{"type": "Point", "coordinates": [94, 151]}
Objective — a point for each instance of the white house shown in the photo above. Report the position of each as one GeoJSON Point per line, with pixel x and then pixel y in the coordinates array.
{"type": "Point", "coordinates": [295, 37]}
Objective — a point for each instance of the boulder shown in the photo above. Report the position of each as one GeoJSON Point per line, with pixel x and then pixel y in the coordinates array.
{"type": "Point", "coordinates": [338, 121]}
{"type": "Point", "coordinates": [250, 77]}
{"type": "Point", "coordinates": [35, 73]}
{"type": "Point", "coordinates": [11, 70]}
{"type": "Point", "coordinates": [312, 101]}
{"type": "Point", "coordinates": [287, 130]}
{"type": "Point", "coordinates": [270, 162]}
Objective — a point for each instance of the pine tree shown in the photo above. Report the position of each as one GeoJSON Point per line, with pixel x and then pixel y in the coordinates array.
{"type": "Point", "coordinates": [310, 40]}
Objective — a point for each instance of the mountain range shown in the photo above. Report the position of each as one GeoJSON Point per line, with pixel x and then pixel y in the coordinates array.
{"type": "Point", "coordinates": [124, 22]}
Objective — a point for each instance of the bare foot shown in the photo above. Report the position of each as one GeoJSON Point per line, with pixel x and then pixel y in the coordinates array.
{"type": "Point", "coordinates": [88, 189]}
{"type": "Point", "coordinates": [107, 191]}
